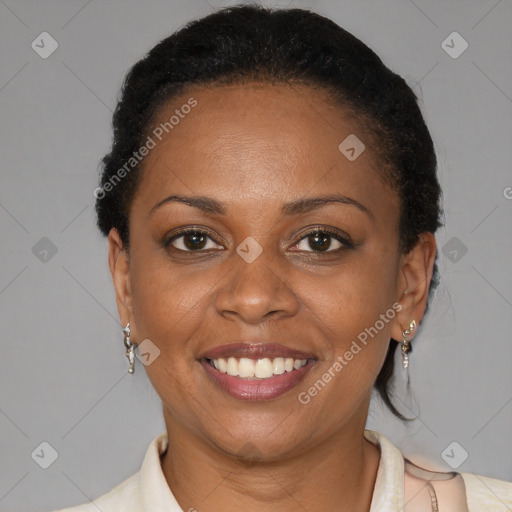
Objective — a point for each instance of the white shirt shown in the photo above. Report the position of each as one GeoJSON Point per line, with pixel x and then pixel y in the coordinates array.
{"type": "Point", "coordinates": [148, 491]}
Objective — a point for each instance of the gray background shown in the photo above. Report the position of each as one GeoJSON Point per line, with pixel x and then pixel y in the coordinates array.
{"type": "Point", "coordinates": [62, 366]}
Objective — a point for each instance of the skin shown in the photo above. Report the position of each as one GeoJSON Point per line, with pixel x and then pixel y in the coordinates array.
{"type": "Point", "coordinates": [255, 147]}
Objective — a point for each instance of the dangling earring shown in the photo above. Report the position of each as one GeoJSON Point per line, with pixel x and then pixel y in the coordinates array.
{"type": "Point", "coordinates": [406, 344]}
{"type": "Point", "coordinates": [129, 349]}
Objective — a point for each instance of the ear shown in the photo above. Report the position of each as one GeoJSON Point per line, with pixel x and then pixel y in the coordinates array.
{"type": "Point", "coordinates": [119, 263]}
{"type": "Point", "coordinates": [414, 276]}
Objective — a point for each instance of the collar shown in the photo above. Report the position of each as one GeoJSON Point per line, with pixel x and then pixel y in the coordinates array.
{"type": "Point", "coordinates": [155, 492]}
{"type": "Point", "coordinates": [387, 496]}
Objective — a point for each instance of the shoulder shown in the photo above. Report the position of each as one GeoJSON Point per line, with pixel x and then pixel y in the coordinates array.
{"type": "Point", "coordinates": [486, 494]}
{"type": "Point", "coordinates": [482, 493]}
{"type": "Point", "coordinates": [125, 497]}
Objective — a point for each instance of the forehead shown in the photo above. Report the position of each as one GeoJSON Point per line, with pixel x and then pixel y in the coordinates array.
{"type": "Point", "coordinates": [258, 142]}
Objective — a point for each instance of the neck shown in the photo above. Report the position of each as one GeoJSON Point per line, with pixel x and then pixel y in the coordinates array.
{"type": "Point", "coordinates": [338, 474]}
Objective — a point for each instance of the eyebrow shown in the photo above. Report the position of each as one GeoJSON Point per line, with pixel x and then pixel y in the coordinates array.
{"type": "Point", "coordinates": [297, 207]}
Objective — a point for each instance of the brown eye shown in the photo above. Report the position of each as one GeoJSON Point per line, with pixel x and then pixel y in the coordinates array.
{"type": "Point", "coordinates": [321, 240]}
{"type": "Point", "coordinates": [192, 240]}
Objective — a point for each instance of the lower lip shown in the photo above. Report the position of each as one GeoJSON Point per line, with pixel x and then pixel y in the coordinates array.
{"type": "Point", "coordinates": [256, 389]}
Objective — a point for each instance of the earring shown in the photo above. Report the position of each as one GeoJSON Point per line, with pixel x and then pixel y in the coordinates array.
{"type": "Point", "coordinates": [406, 344]}
{"type": "Point", "coordinates": [129, 349]}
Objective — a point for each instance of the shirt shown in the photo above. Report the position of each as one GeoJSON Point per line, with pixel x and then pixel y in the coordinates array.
{"type": "Point", "coordinates": [148, 491]}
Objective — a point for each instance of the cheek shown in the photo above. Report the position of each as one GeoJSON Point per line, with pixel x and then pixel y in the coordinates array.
{"type": "Point", "coordinates": [353, 297]}
{"type": "Point", "coordinates": [355, 309]}
{"type": "Point", "coordinates": [355, 327]}
{"type": "Point", "coordinates": [168, 302]}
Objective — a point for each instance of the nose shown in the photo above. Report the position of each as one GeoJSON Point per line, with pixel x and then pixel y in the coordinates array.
{"type": "Point", "coordinates": [255, 291]}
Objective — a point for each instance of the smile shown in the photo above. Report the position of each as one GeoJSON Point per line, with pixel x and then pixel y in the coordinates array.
{"type": "Point", "coordinates": [256, 371]}
{"type": "Point", "coordinates": [263, 368]}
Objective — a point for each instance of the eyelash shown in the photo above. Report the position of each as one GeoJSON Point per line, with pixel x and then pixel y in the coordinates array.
{"type": "Point", "coordinates": [347, 243]}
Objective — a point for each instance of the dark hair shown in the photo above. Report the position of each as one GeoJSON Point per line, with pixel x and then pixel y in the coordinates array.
{"type": "Point", "coordinates": [252, 43]}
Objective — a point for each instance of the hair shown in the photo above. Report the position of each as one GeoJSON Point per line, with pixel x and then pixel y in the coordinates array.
{"type": "Point", "coordinates": [245, 43]}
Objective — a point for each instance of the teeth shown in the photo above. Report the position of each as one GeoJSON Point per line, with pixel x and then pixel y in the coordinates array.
{"type": "Point", "coordinates": [278, 366]}
{"type": "Point", "coordinates": [223, 365]}
{"type": "Point", "coordinates": [263, 368]}
{"type": "Point", "coordinates": [297, 364]}
{"type": "Point", "coordinates": [246, 367]}
{"type": "Point", "coordinates": [232, 368]}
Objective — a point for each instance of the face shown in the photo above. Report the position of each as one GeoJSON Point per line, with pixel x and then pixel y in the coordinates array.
{"type": "Point", "coordinates": [302, 295]}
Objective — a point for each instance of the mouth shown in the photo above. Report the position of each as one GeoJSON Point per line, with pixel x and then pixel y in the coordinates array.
{"type": "Point", "coordinates": [256, 371]}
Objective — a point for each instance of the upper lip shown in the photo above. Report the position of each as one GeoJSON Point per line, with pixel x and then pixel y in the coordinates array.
{"type": "Point", "coordinates": [254, 350]}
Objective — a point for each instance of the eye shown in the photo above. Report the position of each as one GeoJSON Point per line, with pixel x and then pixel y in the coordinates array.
{"type": "Point", "coordinates": [191, 240]}
{"type": "Point", "coordinates": [320, 240]}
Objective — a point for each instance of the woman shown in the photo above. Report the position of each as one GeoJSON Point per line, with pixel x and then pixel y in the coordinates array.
{"type": "Point", "coordinates": [270, 203]}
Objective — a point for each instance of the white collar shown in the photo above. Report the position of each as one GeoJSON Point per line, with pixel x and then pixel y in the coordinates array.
{"type": "Point", "coordinates": [388, 494]}
{"type": "Point", "coordinates": [387, 497]}
{"type": "Point", "coordinates": [154, 490]}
